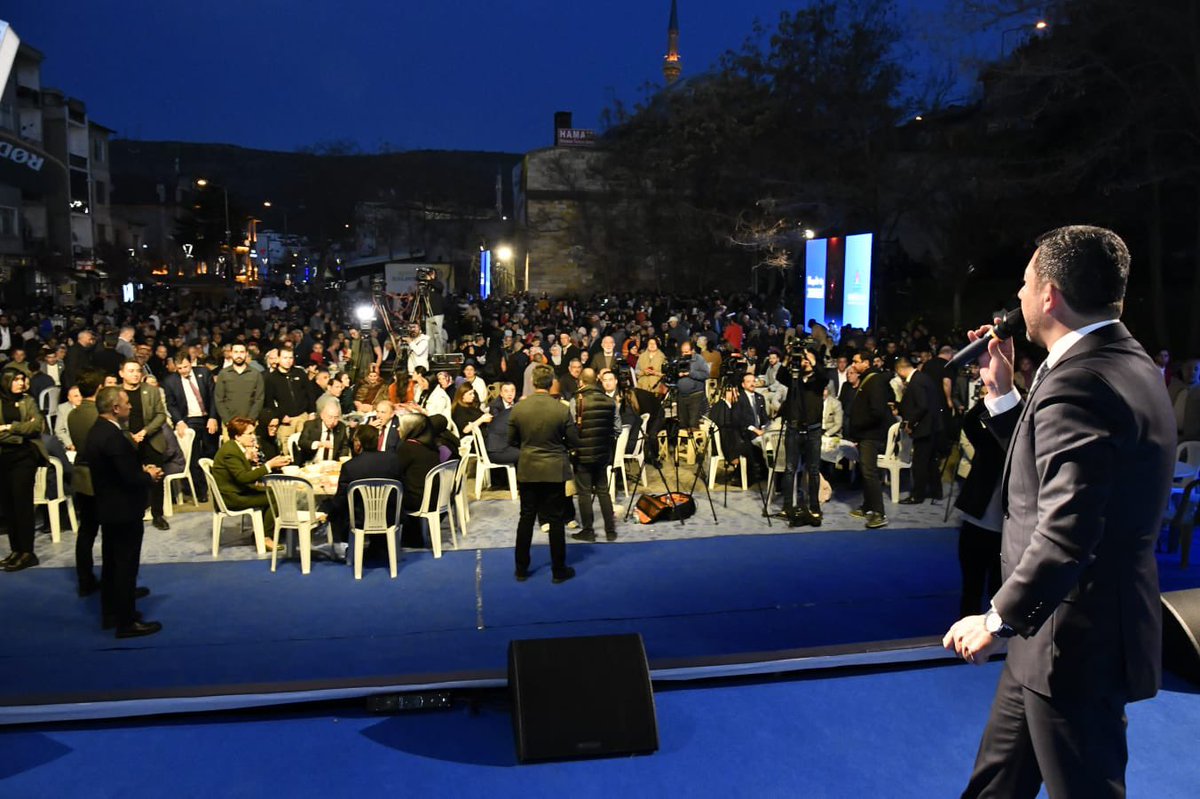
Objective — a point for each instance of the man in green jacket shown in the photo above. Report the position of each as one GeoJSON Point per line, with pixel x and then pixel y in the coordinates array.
{"type": "Point", "coordinates": [240, 389]}
{"type": "Point", "coordinates": [147, 416]}
{"type": "Point", "coordinates": [542, 427]}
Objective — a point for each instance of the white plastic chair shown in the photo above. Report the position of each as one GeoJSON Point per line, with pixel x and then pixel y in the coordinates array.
{"type": "Point", "coordinates": [292, 442]}
{"type": "Point", "coordinates": [53, 505]}
{"type": "Point", "coordinates": [1188, 452]}
{"type": "Point", "coordinates": [461, 500]}
{"type": "Point", "coordinates": [294, 504]}
{"type": "Point", "coordinates": [716, 455]}
{"type": "Point", "coordinates": [618, 463]}
{"type": "Point", "coordinates": [432, 507]}
{"type": "Point", "coordinates": [896, 457]}
{"type": "Point", "coordinates": [483, 470]}
{"type": "Point", "coordinates": [47, 402]}
{"type": "Point", "coordinates": [221, 512]}
{"type": "Point", "coordinates": [186, 442]}
{"type": "Point", "coordinates": [375, 494]}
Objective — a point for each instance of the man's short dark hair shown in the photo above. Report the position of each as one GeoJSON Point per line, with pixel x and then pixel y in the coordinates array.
{"type": "Point", "coordinates": [1089, 265]}
{"type": "Point", "coordinates": [864, 355]}
{"type": "Point", "coordinates": [90, 380]}
{"type": "Point", "coordinates": [903, 362]}
{"type": "Point", "coordinates": [367, 437]}
{"type": "Point", "coordinates": [543, 377]}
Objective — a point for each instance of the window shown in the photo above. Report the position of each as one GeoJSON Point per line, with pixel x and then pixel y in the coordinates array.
{"type": "Point", "coordinates": [98, 150]}
{"type": "Point", "coordinates": [8, 223]}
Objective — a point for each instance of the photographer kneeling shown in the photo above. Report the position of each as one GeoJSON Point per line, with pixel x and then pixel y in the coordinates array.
{"type": "Point", "coordinates": [805, 379]}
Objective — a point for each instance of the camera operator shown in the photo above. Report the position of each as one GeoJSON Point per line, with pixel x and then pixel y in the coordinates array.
{"type": "Point", "coordinates": [806, 379]}
{"type": "Point", "coordinates": [691, 372]}
{"type": "Point", "coordinates": [431, 286]}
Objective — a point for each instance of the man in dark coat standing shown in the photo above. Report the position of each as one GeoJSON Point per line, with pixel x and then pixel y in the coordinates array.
{"type": "Point", "coordinates": [542, 428]}
{"type": "Point", "coordinates": [122, 485]}
{"type": "Point", "coordinates": [1088, 473]}
{"type": "Point", "coordinates": [868, 423]}
{"type": "Point", "coordinates": [920, 408]}
{"type": "Point", "coordinates": [596, 419]}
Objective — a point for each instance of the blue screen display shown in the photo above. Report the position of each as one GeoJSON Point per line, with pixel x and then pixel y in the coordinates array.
{"type": "Point", "coordinates": [856, 284]}
{"type": "Point", "coordinates": [485, 273]}
{"type": "Point", "coordinates": [815, 257]}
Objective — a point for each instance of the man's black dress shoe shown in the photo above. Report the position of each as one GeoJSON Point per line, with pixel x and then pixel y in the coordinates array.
{"type": "Point", "coordinates": [161, 524]}
{"type": "Point", "coordinates": [911, 501]}
{"type": "Point", "coordinates": [89, 588]}
{"type": "Point", "coordinates": [582, 536]}
{"type": "Point", "coordinates": [22, 561]}
{"type": "Point", "coordinates": [7, 559]}
{"type": "Point", "coordinates": [141, 592]}
{"type": "Point", "coordinates": [564, 575]}
{"type": "Point", "coordinates": [108, 621]}
{"type": "Point", "coordinates": [139, 628]}
{"type": "Point", "coordinates": [521, 576]}
{"type": "Point", "coordinates": [815, 518]}
{"type": "Point", "coordinates": [610, 536]}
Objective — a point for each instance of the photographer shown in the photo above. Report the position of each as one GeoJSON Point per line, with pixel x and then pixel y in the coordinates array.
{"type": "Point", "coordinates": [802, 411]}
{"type": "Point", "coordinates": [691, 371]}
{"type": "Point", "coordinates": [431, 287]}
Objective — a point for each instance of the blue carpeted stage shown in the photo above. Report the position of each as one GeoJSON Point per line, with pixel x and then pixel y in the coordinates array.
{"type": "Point", "coordinates": [234, 629]}
{"type": "Point", "coordinates": [897, 733]}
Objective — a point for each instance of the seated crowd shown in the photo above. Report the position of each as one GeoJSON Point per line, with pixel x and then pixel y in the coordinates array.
{"type": "Point", "coordinates": [285, 382]}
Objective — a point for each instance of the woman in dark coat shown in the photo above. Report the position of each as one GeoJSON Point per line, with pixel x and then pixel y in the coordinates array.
{"type": "Point", "coordinates": [21, 428]}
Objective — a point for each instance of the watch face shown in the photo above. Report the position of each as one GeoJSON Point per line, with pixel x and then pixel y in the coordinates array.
{"type": "Point", "coordinates": [992, 622]}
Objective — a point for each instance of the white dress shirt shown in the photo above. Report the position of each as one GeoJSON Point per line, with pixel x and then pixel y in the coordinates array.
{"type": "Point", "coordinates": [998, 405]}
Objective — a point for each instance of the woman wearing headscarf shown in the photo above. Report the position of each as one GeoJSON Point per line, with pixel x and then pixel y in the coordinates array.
{"type": "Point", "coordinates": [21, 428]}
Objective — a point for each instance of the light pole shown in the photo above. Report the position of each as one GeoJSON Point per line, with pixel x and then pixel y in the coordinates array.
{"type": "Point", "coordinates": [1040, 25]}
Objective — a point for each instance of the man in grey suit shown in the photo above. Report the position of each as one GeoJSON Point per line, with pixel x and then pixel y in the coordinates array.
{"type": "Point", "coordinates": [1085, 482]}
{"type": "Point", "coordinates": [542, 427]}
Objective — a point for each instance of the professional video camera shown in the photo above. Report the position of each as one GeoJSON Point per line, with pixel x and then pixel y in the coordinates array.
{"type": "Point", "coordinates": [798, 348]}
{"type": "Point", "coordinates": [732, 370]}
{"type": "Point", "coordinates": [624, 377]}
{"type": "Point", "coordinates": [675, 369]}
{"type": "Point", "coordinates": [425, 277]}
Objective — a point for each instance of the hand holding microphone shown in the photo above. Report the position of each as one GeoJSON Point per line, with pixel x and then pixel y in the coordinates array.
{"type": "Point", "coordinates": [992, 347]}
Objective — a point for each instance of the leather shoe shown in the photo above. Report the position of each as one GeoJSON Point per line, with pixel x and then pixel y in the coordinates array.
{"type": "Point", "coordinates": [521, 576]}
{"type": "Point", "coordinates": [89, 588]}
{"type": "Point", "coordinates": [141, 592]}
{"type": "Point", "coordinates": [911, 501]}
{"type": "Point", "coordinates": [564, 575]}
{"type": "Point", "coordinates": [22, 561]}
{"type": "Point", "coordinates": [814, 518]}
{"type": "Point", "coordinates": [108, 621]}
{"type": "Point", "coordinates": [610, 536]}
{"type": "Point", "coordinates": [7, 559]}
{"type": "Point", "coordinates": [582, 536]}
{"type": "Point", "coordinates": [160, 524]}
{"type": "Point", "coordinates": [138, 629]}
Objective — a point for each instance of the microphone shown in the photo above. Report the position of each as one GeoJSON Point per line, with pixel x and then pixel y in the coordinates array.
{"type": "Point", "coordinates": [1011, 323]}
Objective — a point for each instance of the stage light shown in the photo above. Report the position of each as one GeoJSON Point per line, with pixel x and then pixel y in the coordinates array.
{"type": "Point", "coordinates": [201, 182]}
{"type": "Point", "coordinates": [809, 233]}
{"type": "Point", "coordinates": [1042, 25]}
{"type": "Point", "coordinates": [365, 314]}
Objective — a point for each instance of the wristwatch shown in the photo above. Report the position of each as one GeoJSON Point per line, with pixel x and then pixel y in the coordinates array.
{"type": "Point", "coordinates": [996, 626]}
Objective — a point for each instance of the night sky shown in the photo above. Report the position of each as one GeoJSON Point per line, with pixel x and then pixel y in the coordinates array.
{"type": "Point", "coordinates": [464, 74]}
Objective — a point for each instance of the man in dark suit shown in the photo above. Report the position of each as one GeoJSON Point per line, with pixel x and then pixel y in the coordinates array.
{"type": "Point", "coordinates": [146, 420]}
{"type": "Point", "coordinates": [325, 438]}
{"type": "Point", "coordinates": [79, 357]}
{"type": "Point", "coordinates": [920, 408]}
{"type": "Point", "coordinates": [751, 414]}
{"type": "Point", "coordinates": [80, 422]}
{"type": "Point", "coordinates": [1088, 472]}
{"type": "Point", "coordinates": [868, 423]}
{"type": "Point", "coordinates": [123, 481]}
{"type": "Point", "coordinates": [368, 462]}
{"type": "Point", "coordinates": [385, 427]}
{"type": "Point", "coordinates": [190, 402]}
{"type": "Point", "coordinates": [542, 429]}
{"type": "Point", "coordinates": [496, 435]}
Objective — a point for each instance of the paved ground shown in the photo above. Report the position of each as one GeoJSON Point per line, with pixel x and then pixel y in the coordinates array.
{"type": "Point", "coordinates": [494, 518]}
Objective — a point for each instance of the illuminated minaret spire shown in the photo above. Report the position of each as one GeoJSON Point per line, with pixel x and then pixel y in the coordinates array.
{"type": "Point", "coordinates": [671, 61]}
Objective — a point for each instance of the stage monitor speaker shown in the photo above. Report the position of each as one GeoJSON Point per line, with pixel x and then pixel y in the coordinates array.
{"type": "Point", "coordinates": [581, 697]}
{"type": "Point", "coordinates": [1181, 631]}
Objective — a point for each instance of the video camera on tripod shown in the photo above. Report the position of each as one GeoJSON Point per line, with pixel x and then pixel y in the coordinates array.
{"type": "Point", "coordinates": [798, 349]}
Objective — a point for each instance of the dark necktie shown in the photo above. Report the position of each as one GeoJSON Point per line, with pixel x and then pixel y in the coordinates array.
{"type": "Point", "coordinates": [196, 393]}
{"type": "Point", "coordinates": [1041, 373]}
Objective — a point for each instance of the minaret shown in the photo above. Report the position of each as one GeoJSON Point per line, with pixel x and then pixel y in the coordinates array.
{"type": "Point", "coordinates": [671, 61]}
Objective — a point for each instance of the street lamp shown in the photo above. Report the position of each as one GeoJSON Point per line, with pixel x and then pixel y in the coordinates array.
{"type": "Point", "coordinates": [504, 252]}
{"type": "Point", "coordinates": [1040, 25]}
{"type": "Point", "coordinates": [205, 183]}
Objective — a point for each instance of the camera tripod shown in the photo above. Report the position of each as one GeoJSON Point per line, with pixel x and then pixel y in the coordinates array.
{"type": "Point", "coordinates": [672, 426]}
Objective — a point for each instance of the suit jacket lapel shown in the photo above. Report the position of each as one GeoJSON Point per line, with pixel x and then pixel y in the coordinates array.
{"type": "Point", "coordinates": [1106, 335]}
